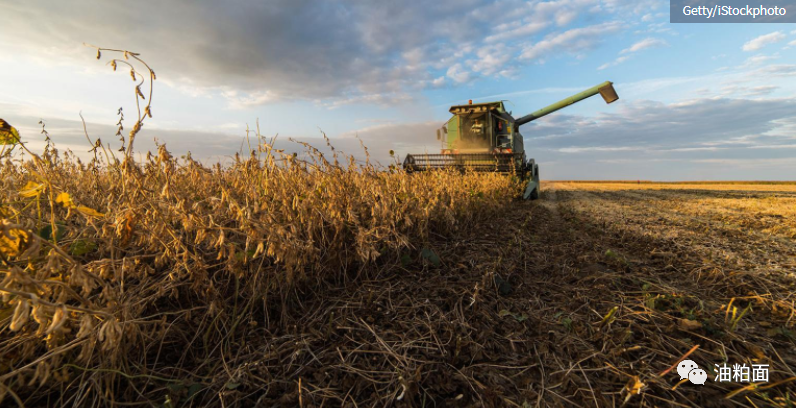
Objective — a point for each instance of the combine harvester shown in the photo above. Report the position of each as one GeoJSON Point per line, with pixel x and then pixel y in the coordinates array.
{"type": "Point", "coordinates": [484, 137]}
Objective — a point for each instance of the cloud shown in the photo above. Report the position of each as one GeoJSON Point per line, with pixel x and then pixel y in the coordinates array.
{"type": "Point", "coordinates": [492, 60]}
{"type": "Point", "coordinates": [574, 40]}
{"type": "Point", "coordinates": [458, 74]}
{"type": "Point", "coordinates": [254, 52]}
{"type": "Point", "coordinates": [756, 60]}
{"type": "Point", "coordinates": [259, 52]}
{"type": "Point", "coordinates": [239, 100]}
{"type": "Point", "coordinates": [438, 82]}
{"type": "Point", "coordinates": [736, 91]}
{"type": "Point", "coordinates": [536, 16]}
{"type": "Point", "coordinates": [677, 141]}
{"type": "Point", "coordinates": [369, 99]}
{"type": "Point", "coordinates": [617, 61]}
{"type": "Point", "coordinates": [506, 32]}
{"type": "Point", "coordinates": [645, 44]}
{"type": "Point", "coordinates": [636, 47]}
{"type": "Point", "coordinates": [778, 70]}
{"type": "Point", "coordinates": [655, 125]}
{"type": "Point", "coordinates": [763, 40]}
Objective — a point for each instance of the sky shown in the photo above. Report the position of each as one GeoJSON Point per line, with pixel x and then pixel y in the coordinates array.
{"type": "Point", "coordinates": [697, 101]}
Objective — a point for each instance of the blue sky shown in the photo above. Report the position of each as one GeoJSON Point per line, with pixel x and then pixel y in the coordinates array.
{"type": "Point", "coordinates": [697, 101]}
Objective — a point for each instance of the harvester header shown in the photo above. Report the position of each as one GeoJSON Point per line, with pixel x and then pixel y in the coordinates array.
{"type": "Point", "coordinates": [485, 137]}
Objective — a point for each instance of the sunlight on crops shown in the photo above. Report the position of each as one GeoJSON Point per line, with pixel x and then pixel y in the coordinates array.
{"type": "Point", "coordinates": [102, 261]}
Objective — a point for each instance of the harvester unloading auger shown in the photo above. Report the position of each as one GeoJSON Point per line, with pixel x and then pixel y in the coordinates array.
{"type": "Point", "coordinates": [485, 137]}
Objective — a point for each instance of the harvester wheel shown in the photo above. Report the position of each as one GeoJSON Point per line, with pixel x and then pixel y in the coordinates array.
{"type": "Point", "coordinates": [535, 174]}
{"type": "Point", "coordinates": [532, 185]}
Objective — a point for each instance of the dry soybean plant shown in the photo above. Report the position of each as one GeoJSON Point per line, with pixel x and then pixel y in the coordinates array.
{"type": "Point", "coordinates": [123, 281]}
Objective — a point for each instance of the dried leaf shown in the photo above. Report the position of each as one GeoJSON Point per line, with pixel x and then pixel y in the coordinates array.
{"type": "Point", "coordinates": [8, 134]}
{"type": "Point", "coordinates": [32, 189]}
{"type": "Point", "coordinates": [89, 211]}
{"type": "Point", "coordinates": [65, 199]}
{"type": "Point", "coordinates": [688, 325]}
{"type": "Point", "coordinates": [21, 315]}
{"type": "Point", "coordinates": [634, 386]}
{"type": "Point", "coordinates": [13, 242]}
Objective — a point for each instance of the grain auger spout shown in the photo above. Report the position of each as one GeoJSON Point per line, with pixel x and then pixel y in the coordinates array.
{"type": "Point", "coordinates": [485, 137]}
{"type": "Point", "coordinates": [605, 89]}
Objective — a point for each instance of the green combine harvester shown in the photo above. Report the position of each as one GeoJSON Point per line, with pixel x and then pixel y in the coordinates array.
{"type": "Point", "coordinates": [485, 137]}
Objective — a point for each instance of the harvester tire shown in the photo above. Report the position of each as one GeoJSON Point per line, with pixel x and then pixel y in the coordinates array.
{"type": "Point", "coordinates": [535, 174]}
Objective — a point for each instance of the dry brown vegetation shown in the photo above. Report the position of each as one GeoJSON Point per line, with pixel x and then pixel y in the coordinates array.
{"type": "Point", "coordinates": [283, 282]}
{"type": "Point", "coordinates": [128, 281]}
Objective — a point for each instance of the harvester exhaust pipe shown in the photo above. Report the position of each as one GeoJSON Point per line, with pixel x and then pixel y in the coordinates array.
{"type": "Point", "coordinates": [605, 89]}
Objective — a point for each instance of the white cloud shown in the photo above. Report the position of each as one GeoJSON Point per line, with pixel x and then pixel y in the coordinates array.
{"type": "Point", "coordinates": [760, 42]}
{"type": "Point", "coordinates": [231, 125]}
{"type": "Point", "coordinates": [778, 70]}
{"type": "Point", "coordinates": [611, 64]}
{"type": "Point", "coordinates": [756, 60]}
{"type": "Point", "coordinates": [519, 31]}
{"type": "Point", "coordinates": [458, 74]}
{"type": "Point", "coordinates": [535, 16]}
{"type": "Point", "coordinates": [314, 49]}
{"type": "Point", "coordinates": [736, 91]}
{"type": "Point", "coordinates": [382, 99]}
{"type": "Point", "coordinates": [598, 149]}
{"type": "Point", "coordinates": [636, 47]}
{"type": "Point", "coordinates": [239, 100]}
{"type": "Point", "coordinates": [792, 43]}
{"type": "Point", "coordinates": [491, 59]}
{"type": "Point", "coordinates": [574, 40]}
{"type": "Point", "coordinates": [645, 44]}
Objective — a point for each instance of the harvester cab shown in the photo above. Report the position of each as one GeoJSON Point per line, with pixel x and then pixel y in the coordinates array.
{"type": "Point", "coordinates": [485, 137]}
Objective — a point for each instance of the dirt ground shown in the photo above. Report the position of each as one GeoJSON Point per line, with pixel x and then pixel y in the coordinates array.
{"type": "Point", "coordinates": [587, 297]}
